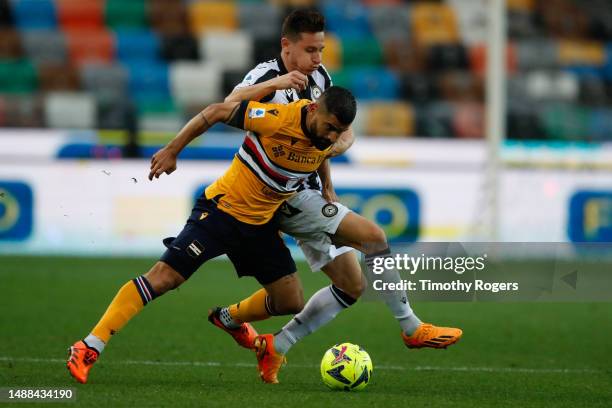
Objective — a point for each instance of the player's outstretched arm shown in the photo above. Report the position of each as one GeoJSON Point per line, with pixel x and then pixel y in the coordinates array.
{"type": "Point", "coordinates": [293, 79]}
{"type": "Point", "coordinates": [164, 161]}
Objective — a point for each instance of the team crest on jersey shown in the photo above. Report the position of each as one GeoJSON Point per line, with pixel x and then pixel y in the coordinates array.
{"type": "Point", "coordinates": [195, 249]}
{"type": "Point", "coordinates": [255, 113]}
{"type": "Point", "coordinates": [316, 92]}
{"type": "Point", "coordinates": [329, 210]}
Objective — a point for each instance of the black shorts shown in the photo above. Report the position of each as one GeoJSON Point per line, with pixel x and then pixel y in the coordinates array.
{"type": "Point", "coordinates": [255, 250]}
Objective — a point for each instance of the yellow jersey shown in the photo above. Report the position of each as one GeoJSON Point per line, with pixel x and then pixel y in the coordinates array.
{"type": "Point", "coordinates": [274, 159]}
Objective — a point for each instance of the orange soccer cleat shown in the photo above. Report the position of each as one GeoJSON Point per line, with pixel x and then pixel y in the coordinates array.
{"type": "Point", "coordinates": [244, 335]}
{"type": "Point", "coordinates": [428, 335]}
{"type": "Point", "coordinates": [81, 359]}
{"type": "Point", "coordinates": [269, 361]}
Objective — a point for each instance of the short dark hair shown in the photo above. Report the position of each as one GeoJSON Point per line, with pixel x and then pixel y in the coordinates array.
{"type": "Point", "coordinates": [340, 102]}
{"type": "Point", "coordinates": [302, 21]}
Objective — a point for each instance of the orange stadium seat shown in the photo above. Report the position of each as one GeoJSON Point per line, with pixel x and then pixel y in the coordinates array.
{"type": "Point", "coordinates": [581, 53]}
{"type": "Point", "coordinates": [214, 15]}
{"type": "Point", "coordinates": [390, 119]}
{"type": "Point", "coordinates": [90, 46]}
{"type": "Point", "coordinates": [434, 23]}
{"type": "Point", "coordinates": [332, 53]}
{"type": "Point", "coordinates": [80, 14]}
{"type": "Point", "coordinates": [468, 120]}
{"type": "Point", "coordinates": [168, 17]}
{"type": "Point", "coordinates": [478, 59]}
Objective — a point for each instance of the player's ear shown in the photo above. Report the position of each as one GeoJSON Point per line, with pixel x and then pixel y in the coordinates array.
{"type": "Point", "coordinates": [285, 42]}
{"type": "Point", "coordinates": [313, 107]}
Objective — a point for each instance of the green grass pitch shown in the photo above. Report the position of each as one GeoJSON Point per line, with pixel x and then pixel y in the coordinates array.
{"type": "Point", "coordinates": [512, 354]}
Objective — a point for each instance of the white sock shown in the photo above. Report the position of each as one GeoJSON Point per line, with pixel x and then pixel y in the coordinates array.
{"type": "Point", "coordinates": [396, 300]}
{"type": "Point", "coordinates": [321, 308]}
{"type": "Point", "coordinates": [227, 320]}
{"type": "Point", "coordinates": [95, 343]}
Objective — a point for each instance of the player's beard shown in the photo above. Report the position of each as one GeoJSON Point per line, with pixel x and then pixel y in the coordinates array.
{"type": "Point", "coordinates": [320, 143]}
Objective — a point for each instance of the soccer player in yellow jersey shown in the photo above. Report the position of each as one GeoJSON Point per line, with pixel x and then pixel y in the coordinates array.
{"type": "Point", "coordinates": [235, 215]}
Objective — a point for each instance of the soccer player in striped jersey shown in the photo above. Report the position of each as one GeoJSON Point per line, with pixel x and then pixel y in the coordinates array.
{"type": "Point", "coordinates": [235, 215]}
{"type": "Point", "coordinates": [314, 214]}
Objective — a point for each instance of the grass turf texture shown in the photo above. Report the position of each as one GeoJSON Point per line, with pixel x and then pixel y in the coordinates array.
{"type": "Point", "coordinates": [513, 354]}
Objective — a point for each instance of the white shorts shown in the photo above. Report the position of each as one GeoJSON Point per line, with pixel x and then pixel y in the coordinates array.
{"type": "Point", "coordinates": [310, 219]}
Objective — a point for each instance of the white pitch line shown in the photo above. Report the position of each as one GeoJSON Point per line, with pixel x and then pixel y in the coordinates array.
{"type": "Point", "coordinates": [312, 366]}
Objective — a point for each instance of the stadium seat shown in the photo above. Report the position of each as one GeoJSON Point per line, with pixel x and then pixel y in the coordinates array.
{"type": "Point", "coordinates": [390, 21]}
{"type": "Point", "coordinates": [390, 119]}
{"type": "Point", "coordinates": [90, 46]}
{"type": "Point", "coordinates": [195, 83]}
{"type": "Point", "coordinates": [435, 120]}
{"type": "Point", "coordinates": [401, 55]}
{"type": "Point", "coordinates": [115, 114]}
{"type": "Point", "coordinates": [107, 82]}
{"type": "Point", "coordinates": [342, 77]}
{"type": "Point", "coordinates": [70, 110]}
{"type": "Point", "coordinates": [168, 17]}
{"type": "Point", "coordinates": [552, 86]}
{"type": "Point", "coordinates": [595, 91]}
{"type": "Point", "coordinates": [591, 53]}
{"type": "Point", "coordinates": [23, 111]}
{"type": "Point", "coordinates": [460, 86]}
{"type": "Point", "coordinates": [60, 77]}
{"type": "Point", "coordinates": [533, 54]}
{"type": "Point", "coordinates": [434, 23]}
{"type": "Point", "coordinates": [374, 84]}
{"type": "Point", "coordinates": [332, 53]}
{"type": "Point", "coordinates": [347, 19]}
{"type": "Point", "coordinates": [265, 49]}
{"type": "Point", "coordinates": [125, 14]}
{"type": "Point", "coordinates": [565, 122]}
{"type": "Point", "coordinates": [600, 125]}
{"type": "Point", "coordinates": [229, 50]}
{"type": "Point", "coordinates": [161, 122]}
{"type": "Point", "coordinates": [471, 16]}
{"type": "Point", "coordinates": [478, 59]}
{"type": "Point", "coordinates": [80, 14]}
{"type": "Point", "coordinates": [441, 57]}
{"type": "Point", "coordinates": [418, 88]}
{"type": "Point", "coordinates": [212, 16]}
{"type": "Point", "coordinates": [230, 80]}
{"type": "Point", "coordinates": [469, 120]}
{"type": "Point", "coordinates": [137, 45]}
{"type": "Point", "coordinates": [17, 76]}
{"type": "Point", "coordinates": [148, 80]}
{"type": "Point", "coordinates": [10, 44]}
{"type": "Point", "coordinates": [522, 25]}
{"type": "Point", "coordinates": [554, 15]}
{"type": "Point", "coordinates": [521, 5]}
{"type": "Point", "coordinates": [522, 123]}
{"type": "Point", "coordinates": [251, 16]}
{"type": "Point", "coordinates": [179, 47]}
{"type": "Point", "coordinates": [361, 52]}
{"type": "Point", "coordinates": [45, 46]}
{"type": "Point", "coordinates": [6, 14]}
{"type": "Point", "coordinates": [3, 114]}
{"type": "Point", "coordinates": [34, 14]}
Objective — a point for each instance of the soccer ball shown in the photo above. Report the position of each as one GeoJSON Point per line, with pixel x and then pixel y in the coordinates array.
{"type": "Point", "coordinates": [346, 367]}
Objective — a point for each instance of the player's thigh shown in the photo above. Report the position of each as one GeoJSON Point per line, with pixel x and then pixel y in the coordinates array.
{"type": "Point", "coordinates": [360, 233]}
{"type": "Point", "coordinates": [308, 213]}
{"type": "Point", "coordinates": [345, 273]}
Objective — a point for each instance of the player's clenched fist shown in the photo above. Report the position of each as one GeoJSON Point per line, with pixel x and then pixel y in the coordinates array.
{"type": "Point", "coordinates": [293, 79]}
{"type": "Point", "coordinates": [164, 161]}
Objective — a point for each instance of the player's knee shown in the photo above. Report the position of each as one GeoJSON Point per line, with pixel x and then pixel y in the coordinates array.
{"type": "Point", "coordinates": [375, 239]}
{"type": "Point", "coordinates": [163, 278]}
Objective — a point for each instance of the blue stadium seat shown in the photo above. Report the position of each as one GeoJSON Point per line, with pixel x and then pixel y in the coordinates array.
{"type": "Point", "coordinates": [34, 14]}
{"type": "Point", "coordinates": [137, 45]}
{"type": "Point", "coordinates": [374, 84]}
{"type": "Point", "coordinates": [347, 19]}
{"type": "Point", "coordinates": [600, 124]}
{"type": "Point", "coordinates": [148, 80]}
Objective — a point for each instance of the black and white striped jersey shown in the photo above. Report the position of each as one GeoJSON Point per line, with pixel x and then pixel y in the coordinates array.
{"type": "Point", "coordinates": [318, 81]}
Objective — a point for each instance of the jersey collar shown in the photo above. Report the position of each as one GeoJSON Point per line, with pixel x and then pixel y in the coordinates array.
{"type": "Point", "coordinates": [282, 69]}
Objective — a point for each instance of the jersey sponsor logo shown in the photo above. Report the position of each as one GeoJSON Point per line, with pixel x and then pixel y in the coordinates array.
{"type": "Point", "coordinates": [304, 159]}
{"type": "Point", "coordinates": [329, 210]}
{"type": "Point", "coordinates": [278, 151]}
{"type": "Point", "coordinates": [16, 211]}
{"type": "Point", "coordinates": [256, 113]}
{"type": "Point", "coordinates": [195, 249]}
{"type": "Point", "coordinates": [590, 216]}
